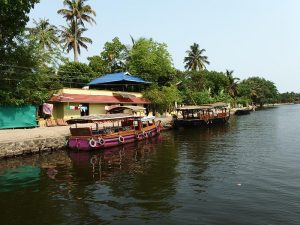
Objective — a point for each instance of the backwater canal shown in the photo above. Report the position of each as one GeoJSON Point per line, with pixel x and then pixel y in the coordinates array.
{"type": "Point", "coordinates": [245, 172]}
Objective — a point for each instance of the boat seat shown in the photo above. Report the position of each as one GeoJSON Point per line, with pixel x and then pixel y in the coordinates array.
{"type": "Point", "coordinates": [84, 131]}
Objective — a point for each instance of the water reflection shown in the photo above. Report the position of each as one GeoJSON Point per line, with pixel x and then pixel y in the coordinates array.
{"type": "Point", "coordinates": [185, 176]}
{"type": "Point", "coordinates": [124, 182]}
{"type": "Point", "coordinates": [23, 177]}
{"type": "Point", "coordinates": [135, 175]}
{"type": "Point", "coordinates": [104, 164]}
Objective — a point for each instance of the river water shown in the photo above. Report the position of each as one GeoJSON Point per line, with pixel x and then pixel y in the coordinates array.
{"type": "Point", "coordinates": [245, 172]}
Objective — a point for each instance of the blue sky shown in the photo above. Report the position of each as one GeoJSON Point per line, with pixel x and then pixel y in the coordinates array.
{"type": "Point", "coordinates": [253, 38]}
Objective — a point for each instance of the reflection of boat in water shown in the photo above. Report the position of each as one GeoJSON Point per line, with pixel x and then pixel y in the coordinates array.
{"type": "Point", "coordinates": [129, 129]}
{"type": "Point", "coordinates": [202, 115]}
{"type": "Point", "coordinates": [127, 157]}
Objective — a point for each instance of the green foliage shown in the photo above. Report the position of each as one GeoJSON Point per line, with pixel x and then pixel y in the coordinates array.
{"type": "Point", "coordinates": [76, 13]}
{"type": "Point", "coordinates": [45, 34]}
{"type": "Point", "coordinates": [223, 97]}
{"type": "Point", "coordinates": [98, 65]}
{"type": "Point", "coordinates": [202, 97]}
{"type": "Point", "coordinates": [203, 87]}
{"type": "Point", "coordinates": [259, 90]}
{"type": "Point", "coordinates": [75, 74]}
{"type": "Point", "coordinates": [47, 40]}
{"type": "Point", "coordinates": [215, 81]}
{"type": "Point", "coordinates": [26, 79]}
{"type": "Point", "coordinates": [243, 100]}
{"type": "Point", "coordinates": [194, 80]}
{"type": "Point", "coordinates": [150, 60]}
{"type": "Point", "coordinates": [112, 59]}
{"type": "Point", "coordinates": [232, 84]}
{"type": "Point", "coordinates": [12, 21]}
{"type": "Point", "coordinates": [115, 55]}
{"type": "Point", "coordinates": [73, 38]}
{"type": "Point", "coordinates": [289, 97]}
{"type": "Point", "coordinates": [167, 102]}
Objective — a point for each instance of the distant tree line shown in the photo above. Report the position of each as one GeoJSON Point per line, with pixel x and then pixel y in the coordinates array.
{"type": "Point", "coordinates": [33, 63]}
{"type": "Point", "coordinates": [289, 97]}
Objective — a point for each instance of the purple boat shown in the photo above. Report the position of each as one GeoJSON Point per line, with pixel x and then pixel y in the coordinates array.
{"type": "Point", "coordinates": [110, 130]}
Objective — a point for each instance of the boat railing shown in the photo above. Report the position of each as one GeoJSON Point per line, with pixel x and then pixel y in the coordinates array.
{"type": "Point", "coordinates": [222, 115]}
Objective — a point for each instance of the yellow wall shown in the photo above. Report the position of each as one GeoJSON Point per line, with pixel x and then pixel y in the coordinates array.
{"type": "Point", "coordinates": [58, 110]}
{"type": "Point", "coordinates": [95, 92]}
{"type": "Point", "coordinates": [68, 113]}
{"type": "Point", "coordinates": [96, 109]}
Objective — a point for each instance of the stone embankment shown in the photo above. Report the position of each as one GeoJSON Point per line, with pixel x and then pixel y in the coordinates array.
{"type": "Point", "coordinates": [16, 142]}
{"type": "Point", "coordinates": [16, 148]}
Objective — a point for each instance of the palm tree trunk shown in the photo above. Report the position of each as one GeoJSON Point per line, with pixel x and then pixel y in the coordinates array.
{"type": "Point", "coordinates": [75, 40]}
{"type": "Point", "coordinates": [75, 53]}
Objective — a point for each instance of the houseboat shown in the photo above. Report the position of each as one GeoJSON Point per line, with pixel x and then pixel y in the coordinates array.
{"type": "Point", "coordinates": [201, 115]}
{"type": "Point", "coordinates": [110, 130]}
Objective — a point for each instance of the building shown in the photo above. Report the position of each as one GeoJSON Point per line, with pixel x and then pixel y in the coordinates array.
{"type": "Point", "coordinates": [73, 102]}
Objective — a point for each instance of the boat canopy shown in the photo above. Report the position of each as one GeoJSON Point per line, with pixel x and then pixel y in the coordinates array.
{"type": "Point", "coordinates": [202, 107]}
{"type": "Point", "coordinates": [102, 118]}
{"type": "Point", "coordinates": [116, 109]}
{"type": "Point", "coordinates": [147, 118]}
{"type": "Point", "coordinates": [218, 105]}
{"type": "Point", "coordinates": [194, 107]}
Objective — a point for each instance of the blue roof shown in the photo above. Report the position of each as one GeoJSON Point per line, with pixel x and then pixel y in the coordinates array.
{"type": "Point", "coordinates": [117, 77]}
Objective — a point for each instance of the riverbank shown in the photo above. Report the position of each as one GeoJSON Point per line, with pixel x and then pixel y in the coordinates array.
{"type": "Point", "coordinates": [16, 142]}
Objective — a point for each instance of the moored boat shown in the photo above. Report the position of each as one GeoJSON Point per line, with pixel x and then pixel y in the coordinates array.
{"type": "Point", "coordinates": [202, 115]}
{"type": "Point", "coordinates": [117, 129]}
{"type": "Point", "coordinates": [243, 111]}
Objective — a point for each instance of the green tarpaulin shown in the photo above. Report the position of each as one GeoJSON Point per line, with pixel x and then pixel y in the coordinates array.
{"type": "Point", "coordinates": [17, 117]}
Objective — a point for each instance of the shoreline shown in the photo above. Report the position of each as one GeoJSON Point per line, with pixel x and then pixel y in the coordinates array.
{"type": "Point", "coordinates": [26, 141]}
{"type": "Point", "coordinates": [18, 142]}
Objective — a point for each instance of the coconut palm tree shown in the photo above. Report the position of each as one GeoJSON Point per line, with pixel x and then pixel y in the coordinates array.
{"type": "Point", "coordinates": [232, 85]}
{"type": "Point", "coordinates": [45, 34]}
{"type": "Point", "coordinates": [76, 12]}
{"type": "Point", "coordinates": [195, 60]}
{"type": "Point", "coordinates": [74, 40]}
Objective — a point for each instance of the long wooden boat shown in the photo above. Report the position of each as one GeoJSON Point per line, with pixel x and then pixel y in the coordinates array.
{"type": "Point", "coordinates": [121, 129]}
{"type": "Point", "coordinates": [243, 111]}
{"type": "Point", "coordinates": [202, 115]}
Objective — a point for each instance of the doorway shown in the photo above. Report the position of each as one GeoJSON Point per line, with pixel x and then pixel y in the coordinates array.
{"type": "Point", "coordinates": [84, 109]}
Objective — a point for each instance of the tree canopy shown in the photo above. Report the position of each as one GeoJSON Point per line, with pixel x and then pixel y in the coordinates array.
{"type": "Point", "coordinates": [73, 39]}
{"type": "Point", "coordinates": [76, 13]}
{"type": "Point", "coordinates": [13, 20]}
{"type": "Point", "coordinates": [98, 65]}
{"type": "Point", "coordinates": [167, 102]}
{"type": "Point", "coordinates": [28, 81]}
{"type": "Point", "coordinates": [150, 60]}
{"type": "Point", "coordinates": [259, 90]}
{"type": "Point", "coordinates": [215, 81]}
{"type": "Point", "coordinates": [24, 74]}
{"type": "Point", "coordinates": [75, 74]}
{"type": "Point", "coordinates": [195, 60]}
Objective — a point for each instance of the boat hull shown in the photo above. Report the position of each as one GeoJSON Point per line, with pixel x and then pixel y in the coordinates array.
{"type": "Point", "coordinates": [85, 143]}
{"type": "Point", "coordinates": [198, 123]}
{"type": "Point", "coordinates": [240, 112]}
